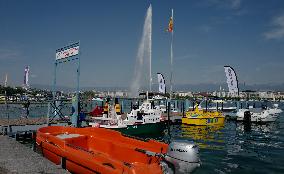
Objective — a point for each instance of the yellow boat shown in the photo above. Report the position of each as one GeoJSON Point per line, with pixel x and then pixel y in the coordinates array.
{"type": "Point", "coordinates": [201, 117]}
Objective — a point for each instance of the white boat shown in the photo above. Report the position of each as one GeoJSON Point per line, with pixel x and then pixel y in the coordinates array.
{"type": "Point", "coordinates": [162, 107]}
{"type": "Point", "coordinates": [275, 109]}
{"type": "Point", "coordinates": [257, 115]}
{"type": "Point", "coordinates": [143, 119]}
{"type": "Point", "coordinates": [146, 113]}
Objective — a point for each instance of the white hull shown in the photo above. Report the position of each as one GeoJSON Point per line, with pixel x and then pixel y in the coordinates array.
{"type": "Point", "coordinates": [143, 115]}
{"type": "Point", "coordinates": [262, 116]}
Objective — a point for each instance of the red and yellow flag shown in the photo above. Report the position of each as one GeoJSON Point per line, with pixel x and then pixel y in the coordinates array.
{"type": "Point", "coordinates": [171, 24]}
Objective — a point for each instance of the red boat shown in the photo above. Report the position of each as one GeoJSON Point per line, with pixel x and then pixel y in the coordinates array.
{"type": "Point", "coordinates": [96, 112]}
{"type": "Point", "coordinates": [98, 150]}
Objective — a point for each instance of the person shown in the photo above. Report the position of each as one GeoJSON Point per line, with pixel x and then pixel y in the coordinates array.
{"type": "Point", "coordinates": [26, 107]}
{"type": "Point", "coordinates": [106, 107]}
{"type": "Point", "coordinates": [117, 107]}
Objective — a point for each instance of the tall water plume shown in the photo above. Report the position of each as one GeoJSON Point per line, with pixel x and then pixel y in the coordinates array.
{"type": "Point", "coordinates": [142, 72]}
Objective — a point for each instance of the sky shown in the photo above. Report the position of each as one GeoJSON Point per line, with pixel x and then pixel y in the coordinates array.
{"type": "Point", "coordinates": [208, 34]}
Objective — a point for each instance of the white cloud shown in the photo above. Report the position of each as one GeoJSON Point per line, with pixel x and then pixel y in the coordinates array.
{"type": "Point", "coordinates": [235, 4]}
{"type": "Point", "coordinates": [277, 32]}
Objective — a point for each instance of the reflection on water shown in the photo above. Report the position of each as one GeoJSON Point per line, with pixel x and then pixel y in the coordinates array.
{"type": "Point", "coordinates": [205, 136]}
{"type": "Point", "coordinates": [235, 148]}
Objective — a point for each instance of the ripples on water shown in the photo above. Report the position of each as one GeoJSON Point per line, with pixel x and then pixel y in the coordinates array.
{"type": "Point", "coordinates": [35, 110]}
{"type": "Point", "coordinates": [227, 149]}
{"type": "Point", "coordinates": [234, 149]}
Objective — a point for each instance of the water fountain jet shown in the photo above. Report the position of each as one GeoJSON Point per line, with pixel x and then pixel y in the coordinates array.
{"type": "Point", "coordinates": [143, 58]}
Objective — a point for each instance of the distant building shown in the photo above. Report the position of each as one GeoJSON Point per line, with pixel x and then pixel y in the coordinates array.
{"type": "Point", "coordinates": [184, 94]}
{"type": "Point", "coordinates": [112, 94]}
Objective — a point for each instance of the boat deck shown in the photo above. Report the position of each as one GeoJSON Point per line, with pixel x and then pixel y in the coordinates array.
{"type": "Point", "coordinates": [17, 158]}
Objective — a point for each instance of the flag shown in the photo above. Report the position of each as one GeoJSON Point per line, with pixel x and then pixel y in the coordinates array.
{"type": "Point", "coordinates": [232, 80]}
{"type": "Point", "coordinates": [162, 83]}
{"type": "Point", "coordinates": [6, 81]}
{"type": "Point", "coordinates": [170, 27]}
{"type": "Point", "coordinates": [26, 77]}
{"type": "Point", "coordinates": [171, 23]}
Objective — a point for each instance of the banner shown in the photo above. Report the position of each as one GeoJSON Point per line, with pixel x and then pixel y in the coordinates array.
{"type": "Point", "coordinates": [26, 77]}
{"type": "Point", "coordinates": [6, 80]}
{"type": "Point", "coordinates": [162, 83]}
{"type": "Point", "coordinates": [68, 51]}
{"type": "Point", "coordinates": [232, 80]}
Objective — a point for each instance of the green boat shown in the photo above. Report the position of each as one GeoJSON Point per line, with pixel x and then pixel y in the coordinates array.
{"type": "Point", "coordinates": [145, 120]}
{"type": "Point", "coordinates": [144, 129]}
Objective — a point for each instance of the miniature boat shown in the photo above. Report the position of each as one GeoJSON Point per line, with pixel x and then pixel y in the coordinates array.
{"type": "Point", "coordinates": [145, 119]}
{"type": "Point", "coordinates": [98, 150]}
{"type": "Point", "coordinates": [201, 117]}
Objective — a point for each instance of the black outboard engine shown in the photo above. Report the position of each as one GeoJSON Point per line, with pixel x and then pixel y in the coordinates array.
{"type": "Point", "coordinates": [182, 157]}
{"type": "Point", "coordinates": [247, 121]}
{"type": "Point", "coordinates": [247, 117]}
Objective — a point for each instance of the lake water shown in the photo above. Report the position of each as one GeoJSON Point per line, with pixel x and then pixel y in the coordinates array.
{"type": "Point", "coordinates": [233, 149]}
{"type": "Point", "coordinates": [228, 149]}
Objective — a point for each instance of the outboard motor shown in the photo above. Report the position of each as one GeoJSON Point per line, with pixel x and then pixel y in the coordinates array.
{"type": "Point", "coordinates": [247, 121]}
{"type": "Point", "coordinates": [182, 157]}
{"type": "Point", "coordinates": [247, 117]}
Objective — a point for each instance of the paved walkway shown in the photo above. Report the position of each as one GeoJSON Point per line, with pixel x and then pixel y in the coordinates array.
{"type": "Point", "coordinates": [16, 158]}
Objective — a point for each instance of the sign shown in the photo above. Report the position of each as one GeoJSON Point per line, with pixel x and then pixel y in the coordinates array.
{"type": "Point", "coordinates": [69, 51]}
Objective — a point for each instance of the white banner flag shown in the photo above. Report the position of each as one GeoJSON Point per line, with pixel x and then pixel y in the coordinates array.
{"type": "Point", "coordinates": [162, 83]}
{"type": "Point", "coordinates": [26, 77]}
{"type": "Point", "coordinates": [232, 80]}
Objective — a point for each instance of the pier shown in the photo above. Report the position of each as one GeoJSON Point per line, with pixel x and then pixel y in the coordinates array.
{"type": "Point", "coordinates": [16, 158]}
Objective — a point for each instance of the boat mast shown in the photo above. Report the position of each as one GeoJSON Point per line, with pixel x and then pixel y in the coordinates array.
{"type": "Point", "coordinates": [6, 103]}
{"type": "Point", "coordinates": [172, 38]}
{"type": "Point", "coordinates": [150, 51]}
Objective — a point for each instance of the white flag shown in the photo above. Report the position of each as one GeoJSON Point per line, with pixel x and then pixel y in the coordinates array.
{"type": "Point", "coordinates": [26, 77]}
{"type": "Point", "coordinates": [162, 83]}
{"type": "Point", "coordinates": [232, 80]}
{"type": "Point", "coordinates": [6, 81]}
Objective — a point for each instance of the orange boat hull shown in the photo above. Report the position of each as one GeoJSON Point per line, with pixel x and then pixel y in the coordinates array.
{"type": "Point", "coordinates": [97, 150]}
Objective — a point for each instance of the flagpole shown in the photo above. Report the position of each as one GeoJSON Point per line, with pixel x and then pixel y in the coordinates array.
{"type": "Point", "coordinates": [6, 103]}
{"type": "Point", "coordinates": [172, 38]}
{"type": "Point", "coordinates": [150, 52]}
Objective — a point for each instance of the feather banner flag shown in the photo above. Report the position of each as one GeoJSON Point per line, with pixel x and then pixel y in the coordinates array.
{"type": "Point", "coordinates": [162, 83]}
{"type": "Point", "coordinates": [232, 80]}
{"type": "Point", "coordinates": [26, 77]}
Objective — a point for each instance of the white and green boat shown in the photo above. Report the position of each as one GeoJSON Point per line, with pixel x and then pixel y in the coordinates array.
{"type": "Point", "coordinates": [146, 119]}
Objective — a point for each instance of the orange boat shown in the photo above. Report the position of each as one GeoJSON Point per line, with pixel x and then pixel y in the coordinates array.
{"type": "Point", "coordinates": [98, 150]}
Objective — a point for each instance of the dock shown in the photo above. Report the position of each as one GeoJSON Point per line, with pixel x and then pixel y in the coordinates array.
{"type": "Point", "coordinates": [16, 158]}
